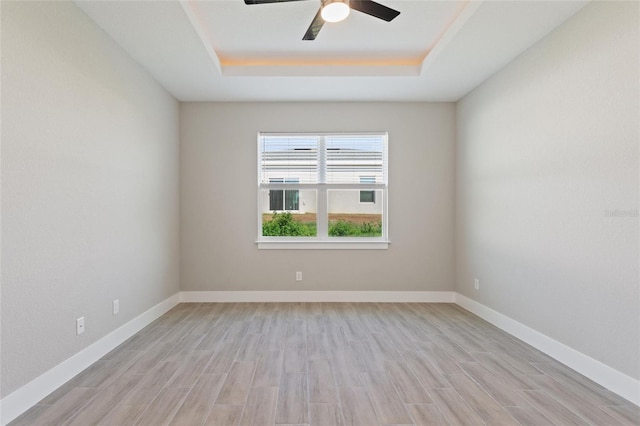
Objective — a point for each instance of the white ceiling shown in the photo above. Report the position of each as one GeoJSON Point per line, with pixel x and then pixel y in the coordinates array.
{"type": "Point", "coordinates": [224, 50]}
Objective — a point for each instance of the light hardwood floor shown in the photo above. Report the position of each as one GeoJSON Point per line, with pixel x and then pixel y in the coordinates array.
{"type": "Point", "coordinates": [327, 364]}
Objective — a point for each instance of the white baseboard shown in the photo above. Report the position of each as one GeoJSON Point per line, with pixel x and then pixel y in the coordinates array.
{"type": "Point", "coordinates": [318, 296]}
{"type": "Point", "coordinates": [617, 382]}
{"type": "Point", "coordinates": [28, 395]}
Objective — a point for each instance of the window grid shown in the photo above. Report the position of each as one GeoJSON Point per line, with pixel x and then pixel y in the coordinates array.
{"type": "Point", "coordinates": [353, 163]}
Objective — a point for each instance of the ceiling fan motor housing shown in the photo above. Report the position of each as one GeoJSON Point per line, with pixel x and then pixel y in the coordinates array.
{"type": "Point", "coordinates": [335, 10]}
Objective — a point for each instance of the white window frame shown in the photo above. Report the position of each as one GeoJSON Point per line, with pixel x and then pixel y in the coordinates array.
{"type": "Point", "coordinates": [322, 239]}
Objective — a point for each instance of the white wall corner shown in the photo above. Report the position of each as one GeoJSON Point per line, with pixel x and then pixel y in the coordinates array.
{"type": "Point", "coordinates": [19, 401]}
{"type": "Point", "coordinates": [617, 382]}
{"type": "Point", "coordinates": [318, 296]}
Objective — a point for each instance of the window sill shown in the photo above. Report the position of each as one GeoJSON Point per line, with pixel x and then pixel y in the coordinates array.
{"type": "Point", "coordinates": [323, 245]}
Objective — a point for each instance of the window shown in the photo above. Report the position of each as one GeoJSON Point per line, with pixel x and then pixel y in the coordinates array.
{"type": "Point", "coordinates": [284, 199]}
{"type": "Point", "coordinates": [322, 190]}
{"type": "Point", "coordinates": [367, 196]}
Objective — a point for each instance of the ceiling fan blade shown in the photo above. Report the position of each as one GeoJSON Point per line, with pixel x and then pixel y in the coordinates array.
{"type": "Point", "coordinates": [374, 9]}
{"type": "Point", "coordinates": [266, 1]}
{"type": "Point", "coordinates": [315, 27]}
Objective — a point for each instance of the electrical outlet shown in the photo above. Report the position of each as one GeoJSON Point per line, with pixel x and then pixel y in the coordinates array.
{"type": "Point", "coordinates": [298, 276]}
{"type": "Point", "coordinates": [476, 283]}
{"type": "Point", "coordinates": [79, 326]}
{"type": "Point", "coordinates": [116, 307]}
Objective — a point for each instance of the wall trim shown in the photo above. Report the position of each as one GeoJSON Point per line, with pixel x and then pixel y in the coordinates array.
{"type": "Point", "coordinates": [318, 296]}
{"type": "Point", "coordinates": [617, 382]}
{"type": "Point", "coordinates": [19, 401]}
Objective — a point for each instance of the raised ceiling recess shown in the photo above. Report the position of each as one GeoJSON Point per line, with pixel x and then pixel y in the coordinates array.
{"type": "Point", "coordinates": [228, 50]}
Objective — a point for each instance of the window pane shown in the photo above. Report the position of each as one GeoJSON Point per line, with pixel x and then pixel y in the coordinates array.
{"type": "Point", "coordinates": [367, 196]}
{"type": "Point", "coordinates": [291, 198]}
{"type": "Point", "coordinates": [348, 217]}
{"type": "Point", "coordinates": [296, 216]}
{"type": "Point", "coordinates": [290, 159]}
{"type": "Point", "coordinates": [349, 158]}
{"type": "Point", "coordinates": [275, 199]}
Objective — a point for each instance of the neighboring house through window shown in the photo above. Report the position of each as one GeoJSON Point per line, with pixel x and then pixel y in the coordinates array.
{"type": "Point", "coordinates": [322, 190]}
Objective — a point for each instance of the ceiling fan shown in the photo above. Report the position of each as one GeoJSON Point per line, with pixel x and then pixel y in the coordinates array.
{"type": "Point", "coordinates": [337, 10]}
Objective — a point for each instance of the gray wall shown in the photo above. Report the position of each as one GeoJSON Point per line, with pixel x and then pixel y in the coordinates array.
{"type": "Point", "coordinates": [219, 198]}
{"type": "Point", "coordinates": [89, 187]}
{"type": "Point", "coordinates": [547, 187]}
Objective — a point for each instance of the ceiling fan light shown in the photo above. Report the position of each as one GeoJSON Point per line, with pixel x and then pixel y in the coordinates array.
{"type": "Point", "coordinates": [335, 10]}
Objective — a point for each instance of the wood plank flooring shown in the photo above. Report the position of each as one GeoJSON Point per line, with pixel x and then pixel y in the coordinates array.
{"type": "Point", "coordinates": [326, 364]}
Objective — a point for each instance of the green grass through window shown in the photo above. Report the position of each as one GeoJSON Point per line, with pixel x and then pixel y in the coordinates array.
{"type": "Point", "coordinates": [286, 224]}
